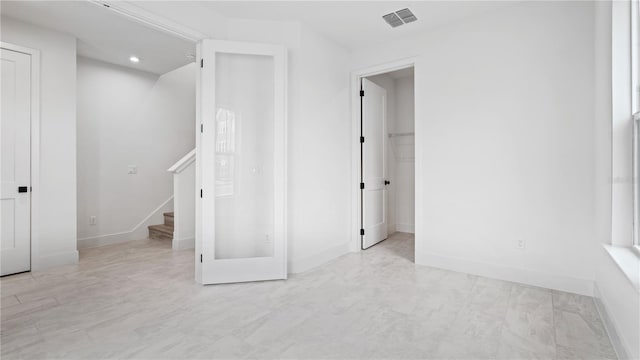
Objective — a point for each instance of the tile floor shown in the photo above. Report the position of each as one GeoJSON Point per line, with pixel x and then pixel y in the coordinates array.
{"type": "Point", "coordinates": [139, 300]}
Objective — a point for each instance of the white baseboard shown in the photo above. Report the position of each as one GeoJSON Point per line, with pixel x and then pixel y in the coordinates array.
{"type": "Point", "coordinates": [53, 260]}
{"type": "Point", "coordinates": [138, 232]}
{"type": "Point", "coordinates": [609, 325]}
{"type": "Point", "coordinates": [181, 244]}
{"type": "Point", "coordinates": [406, 228]}
{"type": "Point", "coordinates": [523, 276]}
{"type": "Point", "coordinates": [391, 228]}
{"type": "Point", "coordinates": [103, 240]}
{"type": "Point", "coordinates": [309, 262]}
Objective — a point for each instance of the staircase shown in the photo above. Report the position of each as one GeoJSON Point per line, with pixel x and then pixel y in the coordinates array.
{"type": "Point", "coordinates": [163, 231]}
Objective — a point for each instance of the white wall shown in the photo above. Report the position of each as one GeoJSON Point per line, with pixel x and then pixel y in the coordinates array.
{"type": "Point", "coordinates": [504, 113]}
{"type": "Point", "coordinates": [128, 117]}
{"type": "Point", "coordinates": [508, 148]}
{"type": "Point", "coordinates": [319, 171]}
{"type": "Point", "coordinates": [404, 153]}
{"type": "Point", "coordinates": [53, 240]}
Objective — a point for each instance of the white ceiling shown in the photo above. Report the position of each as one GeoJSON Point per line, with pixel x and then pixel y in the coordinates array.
{"type": "Point", "coordinates": [356, 24]}
{"type": "Point", "coordinates": [105, 35]}
{"type": "Point", "coordinates": [402, 73]}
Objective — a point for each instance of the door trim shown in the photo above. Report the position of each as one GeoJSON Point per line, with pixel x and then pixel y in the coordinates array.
{"type": "Point", "coordinates": [35, 146]}
{"type": "Point", "coordinates": [356, 198]}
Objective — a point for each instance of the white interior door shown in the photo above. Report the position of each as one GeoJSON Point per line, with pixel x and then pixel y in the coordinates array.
{"type": "Point", "coordinates": [241, 163]}
{"type": "Point", "coordinates": [374, 193]}
{"type": "Point", "coordinates": [15, 163]}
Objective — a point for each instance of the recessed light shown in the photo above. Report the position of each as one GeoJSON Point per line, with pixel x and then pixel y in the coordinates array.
{"type": "Point", "coordinates": [134, 59]}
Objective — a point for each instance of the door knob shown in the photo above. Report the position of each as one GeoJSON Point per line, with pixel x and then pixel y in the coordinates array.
{"type": "Point", "coordinates": [387, 182]}
{"type": "Point", "coordinates": [23, 189]}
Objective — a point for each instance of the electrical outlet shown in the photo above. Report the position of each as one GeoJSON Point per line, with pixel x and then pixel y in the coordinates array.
{"type": "Point", "coordinates": [92, 220]}
{"type": "Point", "coordinates": [520, 244]}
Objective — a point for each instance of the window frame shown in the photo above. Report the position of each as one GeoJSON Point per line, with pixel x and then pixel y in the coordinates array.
{"type": "Point", "coordinates": [636, 185]}
{"type": "Point", "coordinates": [635, 57]}
{"type": "Point", "coordinates": [226, 188]}
{"type": "Point", "coordinates": [635, 111]}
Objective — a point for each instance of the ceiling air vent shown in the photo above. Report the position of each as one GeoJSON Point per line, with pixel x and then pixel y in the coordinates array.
{"type": "Point", "coordinates": [399, 17]}
{"type": "Point", "coordinates": [393, 20]}
{"type": "Point", "coordinates": [406, 15]}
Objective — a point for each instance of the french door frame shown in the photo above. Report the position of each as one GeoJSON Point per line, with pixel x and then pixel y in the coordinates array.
{"type": "Point", "coordinates": [35, 149]}
{"type": "Point", "coordinates": [205, 138]}
{"type": "Point", "coordinates": [356, 112]}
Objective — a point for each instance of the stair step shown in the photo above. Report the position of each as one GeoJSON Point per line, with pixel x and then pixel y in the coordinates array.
{"type": "Point", "coordinates": [168, 218]}
{"type": "Point", "coordinates": [161, 232]}
{"type": "Point", "coordinates": [162, 228]}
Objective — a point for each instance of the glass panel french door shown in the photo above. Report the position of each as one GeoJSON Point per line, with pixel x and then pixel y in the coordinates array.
{"type": "Point", "coordinates": [241, 163]}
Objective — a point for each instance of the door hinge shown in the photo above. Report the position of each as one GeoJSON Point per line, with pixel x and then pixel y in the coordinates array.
{"type": "Point", "coordinates": [361, 186]}
{"type": "Point", "coordinates": [361, 139]}
{"type": "Point", "coordinates": [362, 232]}
{"type": "Point", "coordinates": [361, 92]}
{"type": "Point", "coordinates": [201, 63]}
{"type": "Point", "coordinates": [200, 257]}
{"type": "Point", "coordinates": [201, 128]}
{"type": "Point", "coordinates": [201, 193]}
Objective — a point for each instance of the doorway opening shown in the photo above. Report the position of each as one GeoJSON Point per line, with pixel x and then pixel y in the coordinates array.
{"type": "Point", "coordinates": [387, 159]}
{"type": "Point", "coordinates": [135, 115]}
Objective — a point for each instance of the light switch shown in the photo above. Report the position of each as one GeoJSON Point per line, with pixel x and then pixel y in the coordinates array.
{"type": "Point", "coordinates": [133, 169]}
